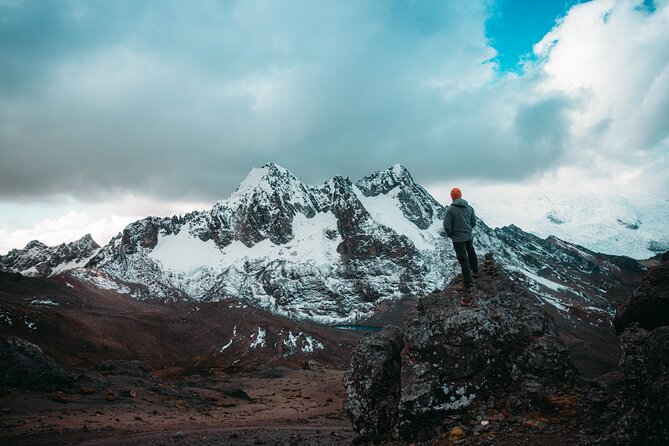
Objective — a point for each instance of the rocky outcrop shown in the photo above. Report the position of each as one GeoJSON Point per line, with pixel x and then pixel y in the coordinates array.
{"type": "Point", "coordinates": [502, 347]}
{"type": "Point", "coordinates": [644, 408]}
{"type": "Point", "coordinates": [636, 402]}
{"type": "Point", "coordinates": [649, 304]}
{"type": "Point", "coordinates": [25, 365]}
{"type": "Point", "coordinates": [373, 385]}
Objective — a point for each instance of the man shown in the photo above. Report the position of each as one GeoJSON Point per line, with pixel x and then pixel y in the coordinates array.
{"type": "Point", "coordinates": [458, 223]}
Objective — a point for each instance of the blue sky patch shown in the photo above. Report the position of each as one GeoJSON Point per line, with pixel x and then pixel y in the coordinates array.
{"type": "Point", "coordinates": [515, 25]}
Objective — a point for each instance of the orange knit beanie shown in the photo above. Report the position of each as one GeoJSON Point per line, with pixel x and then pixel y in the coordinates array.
{"type": "Point", "coordinates": [456, 193]}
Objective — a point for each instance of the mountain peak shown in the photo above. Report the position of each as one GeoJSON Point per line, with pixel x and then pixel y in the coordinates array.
{"type": "Point", "coordinates": [399, 170]}
{"type": "Point", "coordinates": [35, 244]}
{"type": "Point", "coordinates": [270, 174]}
{"type": "Point", "coordinates": [86, 241]}
{"type": "Point", "coordinates": [383, 181]}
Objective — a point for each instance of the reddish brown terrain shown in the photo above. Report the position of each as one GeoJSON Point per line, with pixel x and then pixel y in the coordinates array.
{"type": "Point", "coordinates": [130, 372]}
{"type": "Point", "coordinates": [275, 406]}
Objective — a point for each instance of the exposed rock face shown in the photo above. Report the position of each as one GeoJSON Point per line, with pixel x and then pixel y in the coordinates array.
{"type": "Point", "coordinates": [328, 253]}
{"type": "Point", "coordinates": [643, 402]}
{"type": "Point", "coordinates": [416, 204]}
{"type": "Point", "coordinates": [649, 304]}
{"type": "Point", "coordinates": [24, 364]}
{"type": "Point", "coordinates": [638, 410]}
{"type": "Point", "coordinates": [373, 385]}
{"type": "Point", "coordinates": [454, 355]}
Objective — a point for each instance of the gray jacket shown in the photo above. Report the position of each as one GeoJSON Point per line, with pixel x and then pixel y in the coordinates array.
{"type": "Point", "coordinates": [459, 221]}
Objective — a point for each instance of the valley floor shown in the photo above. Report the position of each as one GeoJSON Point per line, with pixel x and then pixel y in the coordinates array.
{"type": "Point", "coordinates": [274, 406]}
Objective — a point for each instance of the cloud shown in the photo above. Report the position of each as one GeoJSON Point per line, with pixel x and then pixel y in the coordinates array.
{"type": "Point", "coordinates": [178, 102]}
{"type": "Point", "coordinates": [613, 58]}
{"type": "Point", "coordinates": [55, 222]}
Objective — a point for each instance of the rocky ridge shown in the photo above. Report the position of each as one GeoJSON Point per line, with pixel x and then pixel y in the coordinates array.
{"type": "Point", "coordinates": [40, 260]}
{"type": "Point", "coordinates": [497, 373]}
{"type": "Point", "coordinates": [448, 357]}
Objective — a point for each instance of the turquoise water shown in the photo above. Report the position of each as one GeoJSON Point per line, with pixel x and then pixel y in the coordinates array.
{"type": "Point", "coordinates": [359, 327]}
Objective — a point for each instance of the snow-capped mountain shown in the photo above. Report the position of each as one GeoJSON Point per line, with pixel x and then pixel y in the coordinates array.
{"type": "Point", "coordinates": [327, 253]}
{"type": "Point", "coordinates": [39, 260]}
{"type": "Point", "coordinates": [332, 253]}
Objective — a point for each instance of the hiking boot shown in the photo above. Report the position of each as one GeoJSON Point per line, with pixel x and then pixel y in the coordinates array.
{"type": "Point", "coordinates": [466, 301]}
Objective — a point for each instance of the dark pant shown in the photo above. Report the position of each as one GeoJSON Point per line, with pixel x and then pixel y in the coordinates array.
{"type": "Point", "coordinates": [467, 259]}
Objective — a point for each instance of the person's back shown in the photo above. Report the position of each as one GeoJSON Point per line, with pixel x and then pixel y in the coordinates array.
{"type": "Point", "coordinates": [459, 220]}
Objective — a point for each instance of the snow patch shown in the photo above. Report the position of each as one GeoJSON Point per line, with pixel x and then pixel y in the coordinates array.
{"type": "Point", "coordinates": [5, 317]}
{"type": "Point", "coordinates": [259, 340]}
{"type": "Point", "coordinates": [385, 209]}
{"type": "Point", "coordinates": [234, 333]}
{"type": "Point", "coordinates": [44, 302]}
{"type": "Point", "coordinates": [100, 280]}
{"type": "Point", "coordinates": [310, 244]}
{"type": "Point", "coordinates": [66, 266]}
{"type": "Point", "coordinates": [186, 253]}
{"type": "Point", "coordinates": [308, 344]}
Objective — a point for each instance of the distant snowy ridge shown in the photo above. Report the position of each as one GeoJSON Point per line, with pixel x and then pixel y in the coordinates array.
{"type": "Point", "coordinates": [39, 260]}
{"type": "Point", "coordinates": [635, 226]}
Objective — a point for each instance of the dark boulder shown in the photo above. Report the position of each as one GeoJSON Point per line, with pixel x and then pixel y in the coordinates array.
{"type": "Point", "coordinates": [649, 304]}
{"type": "Point", "coordinates": [373, 384]}
{"type": "Point", "coordinates": [638, 400]}
{"type": "Point", "coordinates": [25, 365]}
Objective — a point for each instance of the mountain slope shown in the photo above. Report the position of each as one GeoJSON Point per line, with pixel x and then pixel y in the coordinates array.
{"type": "Point", "coordinates": [82, 325]}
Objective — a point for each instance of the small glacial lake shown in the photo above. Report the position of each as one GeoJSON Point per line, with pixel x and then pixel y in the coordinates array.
{"type": "Point", "coordinates": [359, 327]}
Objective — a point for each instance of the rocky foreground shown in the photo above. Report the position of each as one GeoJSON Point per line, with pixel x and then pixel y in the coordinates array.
{"type": "Point", "coordinates": [497, 372]}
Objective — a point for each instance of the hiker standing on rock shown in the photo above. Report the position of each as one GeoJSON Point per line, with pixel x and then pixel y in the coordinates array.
{"type": "Point", "coordinates": [458, 223]}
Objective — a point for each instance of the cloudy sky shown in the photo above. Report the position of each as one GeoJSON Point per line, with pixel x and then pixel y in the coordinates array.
{"type": "Point", "coordinates": [111, 111]}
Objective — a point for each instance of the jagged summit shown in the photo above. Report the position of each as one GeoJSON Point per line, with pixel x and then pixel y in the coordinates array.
{"type": "Point", "coordinates": [34, 244]}
{"type": "Point", "coordinates": [269, 175]}
{"type": "Point", "coordinates": [38, 259]}
{"type": "Point", "coordinates": [86, 240]}
{"type": "Point", "coordinates": [383, 181]}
